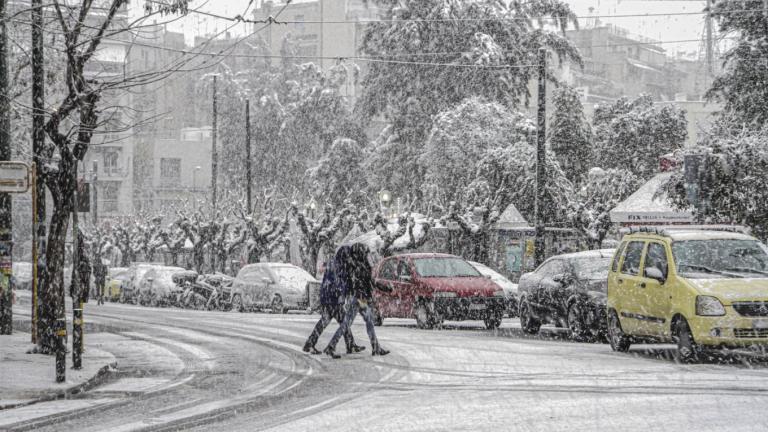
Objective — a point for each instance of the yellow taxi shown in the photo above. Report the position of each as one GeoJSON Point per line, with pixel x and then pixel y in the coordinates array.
{"type": "Point", "coordinates": [699, 288]}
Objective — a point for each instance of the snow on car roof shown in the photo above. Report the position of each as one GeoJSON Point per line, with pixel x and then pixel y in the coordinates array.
{"type": "Point", "coordinates": [427, 255]}
{"type": "Point", "coordinates": [597, 253]}
{"type": "Point", "coordinates": [707, 235]}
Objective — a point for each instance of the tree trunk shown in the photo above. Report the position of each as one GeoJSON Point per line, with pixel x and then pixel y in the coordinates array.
{"type": "Point", "coordinates": [54, 300]}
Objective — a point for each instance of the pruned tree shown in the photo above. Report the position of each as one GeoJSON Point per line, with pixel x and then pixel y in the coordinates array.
{"type": "Point", "coordinates": [478, 216]}
{"type": "Point", "coordinates": [316, 233]}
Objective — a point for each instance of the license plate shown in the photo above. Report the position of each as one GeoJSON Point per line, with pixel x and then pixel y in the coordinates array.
{"type": "Point", "coordinates": [477, 306]}
{"type": "Point", "coordinates": [760, 323]}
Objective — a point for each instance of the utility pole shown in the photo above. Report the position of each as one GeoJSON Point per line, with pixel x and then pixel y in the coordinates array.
{"type": "Point", "coordinates": [214, 156]}
{"type": "Point", "coordinates": [45, 337]}
{"type": "Point", "coordinates": [6, 259]}
{"type": "Point", "coordinates": [248, 179]}
{"type": "Point", "coordinates": [541, 171]}
{"type": "Point", "coordinates": [95, 193]}
{"type": "Point", "coordinates": [77, 303]}
{"type": "Point", "coordinates": [710, 61]}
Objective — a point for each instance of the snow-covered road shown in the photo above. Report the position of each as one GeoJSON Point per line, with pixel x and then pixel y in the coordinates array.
{"type": "Point", "coordinates": [244, 372]}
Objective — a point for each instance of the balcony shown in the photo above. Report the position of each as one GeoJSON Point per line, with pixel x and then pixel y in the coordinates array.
{"type": "Point", "coordinates": [113, 172]}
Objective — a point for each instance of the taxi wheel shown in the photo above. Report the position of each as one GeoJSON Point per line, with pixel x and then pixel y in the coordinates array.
{"type": "Point", "coordinates": [687, 348]}
{"type": "Point", "coordinates": [616, 337]}
{"type": "Point", "coordinates": [528, 322]}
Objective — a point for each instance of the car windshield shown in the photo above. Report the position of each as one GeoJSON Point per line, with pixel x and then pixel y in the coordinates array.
{"type": "Point", "coordinates": [292, 276]}
{"type": "Point", "coordinates": [592, 268]}
{"type": "Point", "coordinates": [722, 257]}
{"type": "Point", "coordinates": [444, 267]}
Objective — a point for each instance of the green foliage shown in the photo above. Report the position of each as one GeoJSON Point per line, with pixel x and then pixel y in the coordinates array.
{"type": "Point", "coordinates": [512, 170]}
{"type": "Point", "coordinates": [570, 136]}
{"type": "Point", "coordinates": [743, 85]}
{"type": "Point", "coordinates": [297, 111]}
{"type": "Point", "coordinates": [632, 135]}
{"type": "Point", "coordinates": [460, 136]}
{"type": "Point", "coordinates": [492, 51]}
{"type": "Point", "coordinates": [338, 176]}
{"type": "Point", "coordinates": [738, 186]}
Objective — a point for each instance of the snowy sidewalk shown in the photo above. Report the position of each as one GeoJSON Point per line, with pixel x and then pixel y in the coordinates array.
{"type": "Point", "coordinates": [29, 378]}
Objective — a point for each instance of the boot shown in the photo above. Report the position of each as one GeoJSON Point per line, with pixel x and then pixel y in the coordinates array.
{"type": "Point", "coordinates": [355, 349]}
{"type": "Point", "coordinates": [329, 351]}
{"type": "Point", "coordinates": [378, 350]}
{"type": "Point", "coordinates": [310, 349]}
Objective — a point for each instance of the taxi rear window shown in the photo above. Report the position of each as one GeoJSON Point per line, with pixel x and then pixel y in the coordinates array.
{"type": "Point", "coordinates": [617, 257]}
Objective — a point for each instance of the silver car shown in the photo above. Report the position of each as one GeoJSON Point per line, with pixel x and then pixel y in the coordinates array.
{"type": "Point", "coordinates": [157, 287]}
{"type": "Point", "coordinates": [275, 286]}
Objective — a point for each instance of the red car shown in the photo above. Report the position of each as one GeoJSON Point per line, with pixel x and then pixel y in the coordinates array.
{"type": "Point", "coordinates": [435, 287]}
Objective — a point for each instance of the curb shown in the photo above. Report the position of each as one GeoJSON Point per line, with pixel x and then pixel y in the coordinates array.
{"type": "Point", "coordinates": [91, 382]}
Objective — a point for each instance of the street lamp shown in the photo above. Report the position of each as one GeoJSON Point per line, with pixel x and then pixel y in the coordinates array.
{"type": "Point", "coordinates": [385, 197]}
{"type": "Point", "coordinates": [194, 178]}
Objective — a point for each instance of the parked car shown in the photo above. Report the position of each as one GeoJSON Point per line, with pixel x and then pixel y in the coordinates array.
{"type": "Point", "coordinates": [435, 287]}
{"type": "Point", "coordinates": [22, 275]}
{"type": "Point", "coordinates": [509, 287]}
{"type": "Point", "coordinates": [130, 291]}
{"type": "Point", "coordinates": [117, 277]}
{"type": "Point", "coordinates": [158, 288]}
{"type": "Point", "coordinates": [567, 290]}
{"type": "Point", "coordinates": [276, 286]}
{"type": "Point", "coordinates": [697, 288]}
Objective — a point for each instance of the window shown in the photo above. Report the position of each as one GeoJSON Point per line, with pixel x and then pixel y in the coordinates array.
{"type": "Point", "coordinates": [444, 267]}
{"type": "Point", "coordinates": [170, 169]}
{"type": "Point", "coordinates": [616, 259]}
{"type": "Point", "coordinates": [656, 256]}
{"type": "Point", "coordinates": [632, 254]}
{"type": "Point", "coordinates": [402, 270]}
{"type": "Point", "coordinates": [552, 268]}
{"type": "Point", "coordinates": [727, 257]}
{"type": "Point", "coordinates": [387, 270]}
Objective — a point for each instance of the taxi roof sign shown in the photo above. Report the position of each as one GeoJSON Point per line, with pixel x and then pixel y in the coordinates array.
{"type": "Point", "coordinates": [14, 177]}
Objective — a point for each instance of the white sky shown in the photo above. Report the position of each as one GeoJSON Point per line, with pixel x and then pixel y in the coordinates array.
{"type": "Point", "coordinates": [680, 27]}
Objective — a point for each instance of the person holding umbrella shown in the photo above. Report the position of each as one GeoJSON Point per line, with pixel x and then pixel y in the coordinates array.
{"type": "Point", "coordinates": [333, 292]}
{"type": "Point", "coordinates": [360, 283]}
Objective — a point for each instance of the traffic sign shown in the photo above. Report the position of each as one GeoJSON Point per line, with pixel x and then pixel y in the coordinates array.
{"type": "Point", "coordinates": [14, 177]}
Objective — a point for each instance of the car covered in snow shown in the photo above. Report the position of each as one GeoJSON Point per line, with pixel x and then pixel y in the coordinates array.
{"type": "Point", "coordinates": [278, 287]}
{"type": "Point", "coordinates": [117, 277]}
{"type": "Point", "coordinates": [130, 291]}
{"type": "Point", "coordinates": [509, 287]}
{"type": "Point", "coordinates": [569, 291]}
{"type": "Point", "coordinates": [435, 287]}
{"type": "Point", "coordinates": [157, 287]}
{"type": "Point", "coordinates": [698, 288]}
{"type": "Point", "coordinates": [22, 275]}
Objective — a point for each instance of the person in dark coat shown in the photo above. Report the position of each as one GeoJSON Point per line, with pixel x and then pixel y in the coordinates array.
{"type": "Point", "coordinates": [333, 291]}
{"type": "Point", "coordinates": [358, 273]}
{"type": "Point", "coordinates": [100, 277]}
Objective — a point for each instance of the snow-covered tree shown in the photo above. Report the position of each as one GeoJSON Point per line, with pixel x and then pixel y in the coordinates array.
{"type": "Point", "coordinates": [339, 175]}
{"type": "Point", "coordinates": [316, 233]}
{"type": "Point", "coordinates": [599, 194]}
{"type": "Point", "coordinates": [633, 134]}
{"type": "Point", "coordinates": [570, 135]}
{"type": "Point", "coordinates": [743, 84]}
{"type": "Point", "coordinates": [489, 49]}
{"type": "Point", "coordinates": [736, 180]}
{"type": "Point", "coordinates": [461, 135]}
{"type": "Point", "coordinates": [512, 170]}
